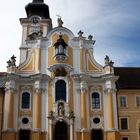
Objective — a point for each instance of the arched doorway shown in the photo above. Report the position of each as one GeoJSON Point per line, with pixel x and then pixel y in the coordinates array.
{"type": "Point", "coordinates": [24, 135]}
{"type": "Point", "coordinates": [97, 134]}
{"type": "Point", "coordinates": [61, 131]}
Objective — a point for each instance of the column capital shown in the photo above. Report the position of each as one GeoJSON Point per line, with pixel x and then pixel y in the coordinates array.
{"type": "Point", "coordinates": [40, 87]}
{"type": "Point", "coordinates": [110, 90]}
{"type": "Point", "coordinates": [83, 86]}
{"type": "Point", "coordinates": [10, 86]}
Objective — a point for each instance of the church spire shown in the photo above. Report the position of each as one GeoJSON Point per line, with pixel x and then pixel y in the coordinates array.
{"type": "Point", "coordinates": [37, 7]}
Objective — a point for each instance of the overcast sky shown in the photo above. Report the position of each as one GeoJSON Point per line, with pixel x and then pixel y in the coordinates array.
{"type": "Point", "coordinates": [115, 25]}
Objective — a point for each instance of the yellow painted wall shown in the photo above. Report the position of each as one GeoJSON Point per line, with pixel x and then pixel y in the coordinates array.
{"type": "Point", "coordinates": [32, 64]}
{"type": "Point", "coordinates": [50, 97]}
{"type": "Point", "coordinates": [110, 111]}
{"type": "Point", "coordinates": [71, 94]}
{"type": "Point", "coordinates": [29, 63]}
{"type": "Point", "coordinates": [90, 65]}
{"type": "Point", "coordinates": [10, 103]}
{"type": "Point", "coordinates": [83, 110]}
{"type": "Point", "coordinates": [112, 136]}
{"type": "Point", "coordinates": [91, 90]}
{"type": "Point", "coordinates": [29, 111]}
{"type": "Point", "coordinates": [131, 112]}
{"type": "Point", "coordinates": [38, 59]}
{"type": "Point", "coordinates": [37, 116]}
{"type": "Point", "coordinates": [85, 136]}
{"type": "Point", "coordinates": [35, 136]}
{"type": "Point", "coordinates": [8, 136]}
{"type": "Point", "coordinates": [78, 136]}
{"type": "Point", "coordinates": [82, 60]}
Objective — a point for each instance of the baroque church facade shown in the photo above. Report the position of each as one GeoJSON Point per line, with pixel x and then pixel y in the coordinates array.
{"type": "Point", "coordinates": [59, 91]}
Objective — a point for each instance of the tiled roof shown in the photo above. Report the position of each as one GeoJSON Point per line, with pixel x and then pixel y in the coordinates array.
{"type": "Point", "coordinates": [129, 77]}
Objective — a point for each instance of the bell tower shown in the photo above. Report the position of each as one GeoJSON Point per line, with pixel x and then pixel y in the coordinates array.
{"type": "Point", "coordinates": [36, 25]}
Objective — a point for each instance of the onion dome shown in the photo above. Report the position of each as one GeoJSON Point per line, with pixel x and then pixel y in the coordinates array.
{"type": "Point", "coordinates": [37, 7]}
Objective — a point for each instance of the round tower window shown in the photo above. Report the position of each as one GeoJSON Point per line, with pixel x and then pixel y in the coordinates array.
{"type": "Point", "coordinates": [25, 120]}
{"type": "Point", "coordinates": [96, 120]}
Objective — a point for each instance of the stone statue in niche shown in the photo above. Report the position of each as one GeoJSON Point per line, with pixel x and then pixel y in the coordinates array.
{"type": "Point", "coordinates": [60, 109]}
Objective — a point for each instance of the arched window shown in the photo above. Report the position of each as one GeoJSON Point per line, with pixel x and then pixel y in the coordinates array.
{"type": "Point", "coordinates": [25, 100]}
{"type": "Point", "coordinates": [60, 90]}
{"type": "Point", "coordinates": [95, 100]}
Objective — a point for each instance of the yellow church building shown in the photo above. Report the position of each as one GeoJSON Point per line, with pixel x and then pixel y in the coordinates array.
{"type": "Point", "coordinates": [59, 92]}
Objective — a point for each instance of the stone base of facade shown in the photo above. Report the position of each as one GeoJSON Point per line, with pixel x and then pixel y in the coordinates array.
{"type": "Point", "coordinates": [83, 136]}
{"type": "Point", "coordinates": [112, 135]}
{"type": "Point", "coordinates": [16, 136]}
{"type": "Point", "coordinates": [8, 135]}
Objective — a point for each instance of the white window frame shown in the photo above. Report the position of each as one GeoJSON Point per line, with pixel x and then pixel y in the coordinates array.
{"type": "Point", "coordinates": [95, 109]}
{"type": "Point", "coordinates": [137, 96]}
{"type": "Point", "coordinates": [23, 91]}
{"type": "Point", "coordinates": [67, 88]}
{"type": "Point", "coordinates": [127, 123]}
{"type": "Point", "coordinates": [125, 101]}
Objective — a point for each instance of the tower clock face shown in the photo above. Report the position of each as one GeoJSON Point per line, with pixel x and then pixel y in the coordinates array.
{"type": "Point", "coordinates": [35, 20]}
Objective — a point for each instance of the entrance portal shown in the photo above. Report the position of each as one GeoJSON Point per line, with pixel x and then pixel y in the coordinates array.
{"type": "Point", "coordinates": [97, 135]}
{"type": "Point", "coordinates": [61, 131]}
{"type": "Point", "coordinates": [24, 135]}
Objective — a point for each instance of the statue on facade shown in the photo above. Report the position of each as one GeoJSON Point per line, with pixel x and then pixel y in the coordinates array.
{"type": "Point", "coordinates": [59, 21]}
{"type": "Point", "coordinates": [108, 62]}
{"type": "Point", "coordinates": [90, 37]}
{"type": "Point", "coordinates": [80, 33]}
{"type": "Point", "coordinates": [12, 61]}
{"type": "Point", "coordinates": [60, 109]}
{"type": "Point", "coordinates": [71, 115]}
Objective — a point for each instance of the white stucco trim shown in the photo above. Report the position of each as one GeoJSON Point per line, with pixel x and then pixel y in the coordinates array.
{"type": "Point", "coordinates": [25, 89]}
{"type": "Point", "coordinates": [63, 30]}
{"type": "Point", "coordinates": [100, 97]}
{"type": "Point", "coordinates": [76, 60]}
{"type": "Point", "coordinates": [77, 113]}
{"type": "Point", "coordinates": [44, 109]}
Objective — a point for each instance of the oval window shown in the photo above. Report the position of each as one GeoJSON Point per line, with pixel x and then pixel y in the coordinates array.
{"type": "Point", "coordinates": [96, 120]}
{"type": "Point", "coordinates": [25, 120]}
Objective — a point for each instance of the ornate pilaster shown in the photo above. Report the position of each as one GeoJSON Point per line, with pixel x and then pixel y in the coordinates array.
{"type": "Point", "coordinates": [8, 123]}
{"type": "Point", "coordinates": [83, 90]}
{"type": "Point", "coordinates": [110, 111]}
{"type": "Point", "coordinates": [37, 105]}
{"type": "Point", "coordinates": [110, 105]}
